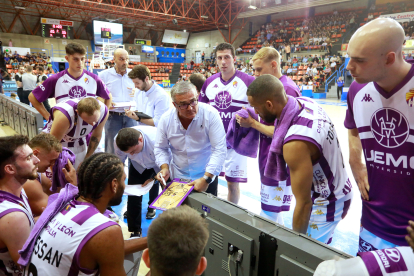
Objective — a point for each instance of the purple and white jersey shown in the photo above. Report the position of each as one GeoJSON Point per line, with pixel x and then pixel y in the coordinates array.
{"type": "Point", "coordinates": [397, 261]}
{"type": "Point", "coordinates": [78, 130]}
{"type": "Point", "coordinates": [226, 96]}
{"type": "Point", "coordinates": [63, 87]}
{"type": "Point", "coordinates": [331, 187]}
{"type": "Point", "coordinates": [292, 90]}
{"type": "Point", "coordinates": [10, 203]}
{"type": "Point", "coordinates": [385, 122]}
{"type": "Point", "coordinates": [58, 247]}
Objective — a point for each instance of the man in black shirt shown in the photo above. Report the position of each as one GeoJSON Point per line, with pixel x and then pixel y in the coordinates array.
{"type": "Point", "coordinates": [18, 79]}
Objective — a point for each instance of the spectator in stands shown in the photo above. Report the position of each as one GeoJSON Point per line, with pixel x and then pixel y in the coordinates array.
{"type": "Point", "coordinates": [15, 64]}
{"type": "Point", "coordinates": [254, 50]}
{"type": "Point", "coordinates": [239, 50]}
{"type": "Point", "coordinates": [173, 231]}
{"type": "Point", "coordinates": [10, 43]}
{"type": "Point", "coordinates": [192, 64]}
{"type": "Point", "coordinates": [329, 47]}
{"type": "Point", "coordinates": [333, 65]}
{"type": "Point", "coordinates": [28, 83]}
{"type": "Point", "coordinates": [340, 84]}
{"type": "Point", "coordinates": [198, 81]}
{"type": "Point", "coordinates": [202, 56]}
{"type": "Point", "coordinates": [408, 57]}
{"type": "Point", "coordinates": [327, 71]}
{"type": "Point", "coordinates": [7, 59]}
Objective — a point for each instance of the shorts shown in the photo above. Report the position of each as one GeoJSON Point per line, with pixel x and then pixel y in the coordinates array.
{"type": "Point", "coordinates": [276, 198]}
{"type": "Point", "coordinates": [80, 153]}
{"type": "Point", "coordinates": [370, 242]}
{"type": "Point", "coordinates": [321, 230]}
{"type": "Point", "coordinates": [235, 167]}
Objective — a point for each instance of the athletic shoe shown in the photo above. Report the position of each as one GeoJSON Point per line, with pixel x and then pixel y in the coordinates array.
{"type": "Point", "coordinates": [151, 213]}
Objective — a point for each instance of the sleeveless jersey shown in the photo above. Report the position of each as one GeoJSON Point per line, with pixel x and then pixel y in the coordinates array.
{"type": "Point", "coordinates": [397, 261]}
{"type": "Point", "coordinates": [63, 87]}
{"type": "Point", "coordinates": [78, 130]}
{"type": "Point", "coordinates": [331, 187]}
{"type": "Point", "coordinates": [226, 96]}
{"type": "Point", "coordinates": [385, 122]}
{"type": "Point", "coordinates": [58, 247]}
{"type": "Point", "coordinates": [10, 203]}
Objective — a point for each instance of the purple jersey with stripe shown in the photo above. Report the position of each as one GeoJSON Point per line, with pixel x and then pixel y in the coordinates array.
{"type": "Point", "coordinates": [397, 261]}
{"type": "Point", "coordinates": [292, 90]}
{"type": "Point", "coordinates": [385, 122]}
{"type": "Point", "coordinates": [78, 129]}
{"type": "Point", "coordinates": [331, 188]}
{"type": "Point", "coordinates": [63, 87]}
{"type": "Point", "coordinates": [58, 247]}
{"type": "Point", "coordinates": [226, 96]}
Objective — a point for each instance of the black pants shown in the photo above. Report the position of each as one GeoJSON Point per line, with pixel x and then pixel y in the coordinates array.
{"type": "Point", "coordinates": [339, 92]}
{"type": "Point", "coordinates": [134, 205]}
{"type": "Point", "coordinates": [287, 55]}
{"type": "Point", "coordinates": [24, 96]}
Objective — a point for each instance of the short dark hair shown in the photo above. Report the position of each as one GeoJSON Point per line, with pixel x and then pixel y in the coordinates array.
{"type": "Point", "coordinates": [139, 72]}
{"type": "Point", "coordinates": [46, 141]}
{"type": "Point", "coordinates": [126, 138]}
{"type": "Point", "coordinates": [40, 69]}
{"type": "Point", "coordinates": [176, 241]}
{"type": "Point", "coordinates": [88, 105]}
{"type": "Point", "coordinates": [225, 46]}
{"type": "Point", "coordinates": [96, 172]}
{"type": "Point", "coordinates": [266, 87]}
{"type": "Point", "coordinates": [75, 48]}
{"type": "Point", "coordinates": [8, 146]}
{"type": "Point", "coordinates": [198, 80]}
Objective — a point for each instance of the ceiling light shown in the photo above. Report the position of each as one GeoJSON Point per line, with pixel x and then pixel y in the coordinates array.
{"type": "Point", "coordinates": [252, 7]}
{"type": "Point", "coordinates": [185, 31]}
{"type": "Point", "coordinates": [204, 16]}
{"type": "Point", "coordinates": [20, 8]}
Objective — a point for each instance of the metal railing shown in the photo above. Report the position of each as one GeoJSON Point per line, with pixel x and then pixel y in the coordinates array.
{"type": "Point", "coordinates": [335, 75]}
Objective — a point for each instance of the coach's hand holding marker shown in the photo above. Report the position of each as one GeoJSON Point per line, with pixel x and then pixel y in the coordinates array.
{"type": "Point", "coordinates": [162, 175]}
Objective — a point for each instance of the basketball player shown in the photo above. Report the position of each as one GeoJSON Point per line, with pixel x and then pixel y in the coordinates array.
{"type": "Point", "coordinates": [311, 150]}
{"type": "Point", "coordinates": [275, 196]}
{"type": "Point", "coordinates": [47, 149]}
{"type": "Point", "coordinates": [226, 91]}
{"type": "Point", "coordinates": [380, 120]}
{"type": "Point", "coordinates": [17, 165]}
{"type": "Point", "coordinates": [72, 83]}
{"type": "Point", "coordinates": [80, 240]}
{"type": "Point", "coordinates": [71, 121]}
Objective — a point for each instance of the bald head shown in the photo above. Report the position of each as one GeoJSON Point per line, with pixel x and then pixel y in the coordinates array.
{"type": "Point", "coordinates": [379, 36]}
{"type": "Point", "coordinates": [121, 60]}
{"type": "Point", "coordinates": [120, 51]}
{"type": "Point", "coordinates": [267, 87]}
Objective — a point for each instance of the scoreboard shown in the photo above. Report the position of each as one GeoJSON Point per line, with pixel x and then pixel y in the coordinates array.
{"type": "Point", "coordinates": [142, 42]}
{"type": "Point", "coordinates": [106, 33]}
{"type": "Point", "coordinates": [55, 28]}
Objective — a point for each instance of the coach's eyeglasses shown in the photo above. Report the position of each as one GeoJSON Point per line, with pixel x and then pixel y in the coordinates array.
{"type": "Point", "coordinates": [185, 106]}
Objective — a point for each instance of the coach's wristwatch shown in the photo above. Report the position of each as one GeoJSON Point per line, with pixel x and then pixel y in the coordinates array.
{"type": "Point", "coordinates": [139, 119]}
{"type": "Point", "coordinates": [208, 179]}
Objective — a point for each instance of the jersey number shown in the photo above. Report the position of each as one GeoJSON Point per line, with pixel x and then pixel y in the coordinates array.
{"type": "Point", "coordinates": [83, 131]}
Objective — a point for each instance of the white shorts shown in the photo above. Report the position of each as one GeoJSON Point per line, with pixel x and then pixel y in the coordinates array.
{"type": "Point", "coordinates": [80, 153]}
{"type": "Point", "coordinates": [276, 198]}
{"type": "Point", "coordinates": [321, 230]}
{"type": "Point", "coordinates": [235, 167]}
{"type": "Point", "coordinates": [370, 242]}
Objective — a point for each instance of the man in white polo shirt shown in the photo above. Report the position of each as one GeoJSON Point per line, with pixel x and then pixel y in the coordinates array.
{"type": "Point", "coordinates": [122, 89]}
{"type": "Point", "coordinates": [28, 83]}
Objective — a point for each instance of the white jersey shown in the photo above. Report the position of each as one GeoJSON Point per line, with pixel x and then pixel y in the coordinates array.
{"type": "Point", "coordinates": [10, 203]}
{"type": "Point", "coordinates": [58, 247]}
{"type": "Point", "coordinates": [63, 87]}
{"type": "Point", "coordinates": [331, 187]}
{"type": "Point", "coordinates": [76, 134]}
{"type": "Point", "coordinates": [227, 97]}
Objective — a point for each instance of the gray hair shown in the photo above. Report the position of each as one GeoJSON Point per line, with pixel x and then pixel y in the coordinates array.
{"type": "Point", "coordinates": [182, 88]}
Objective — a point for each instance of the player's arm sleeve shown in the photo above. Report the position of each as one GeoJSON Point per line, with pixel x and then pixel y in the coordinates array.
{"type": "Point", "coordinates": [217, 138]}
{"type": "Point", "coordinates": [349, 117]}
{"type": "Point", "coordinates": [203, 96]}
{"type": "Point", "coordinates": [101, 89]}
{"type": "Point", "coordinates": [46, 89]}
{"type": "Point", "coordinates": [160, 107]}
{"type": "Point", "coordinates": [162, 145]}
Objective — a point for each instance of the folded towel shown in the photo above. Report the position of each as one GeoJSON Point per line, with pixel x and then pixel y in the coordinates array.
{"type": "Point", "coordinates": [58, 177]}
{"type": "Point", "coordinates": [55, 204]}
{"type": "Point", "coordinates": [276, 165]}
{"type": "Point", "coordinates": [244, 141]}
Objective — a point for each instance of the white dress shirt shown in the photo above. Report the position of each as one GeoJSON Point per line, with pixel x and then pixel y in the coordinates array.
{"type": "Point", "coordinates": [154, 102]}
{"type": "Point", "coordinates": [199, 149]}
{"type": "Point", "coordinates": [120, 86]}
{"type": "Point", "coordinates": [146, 158]}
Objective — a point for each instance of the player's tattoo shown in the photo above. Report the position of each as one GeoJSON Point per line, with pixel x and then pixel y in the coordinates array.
{"type": "Point", "coordinates": [93, 144]}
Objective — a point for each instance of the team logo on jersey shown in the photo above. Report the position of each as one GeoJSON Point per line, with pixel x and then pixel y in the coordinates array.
{"type": "Point", "coordinates": [367, 98]}
{"type": "Point", "coordinates": [308, 110]}
{"type": "Point", "coordinates": [409, 98]}
{"type": "Point", "coordinates": [234, 84]}
{"type": "Point", "coordinates": [393, 254]}
{"type": "Point", "coordinates": [223, 100]}
{"type": "Point", "coordinates": [318, 212]}
{"type": "Point", "coordinates": [215, 86]}
{"type": "Point", "coordinates": [389, 127]}
{"type": "Point", "coordinates": [65, 81]}
{"type": "Point", "coordinates": [77, 92]}
{"type": "Point", "coordinates": [279, 189]}
{"type": "Point", "coordinates": [86, 80]}
{"type": "Point", "coordinates": [277, 198]}
{"type": "Point", "coordinates": [365, 246]}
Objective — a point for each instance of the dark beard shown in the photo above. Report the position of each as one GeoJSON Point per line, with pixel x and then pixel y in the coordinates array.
{"type": "Point", "coordinates": [117, 199]}
{"type": "Point", "coordinates": [268, 117]}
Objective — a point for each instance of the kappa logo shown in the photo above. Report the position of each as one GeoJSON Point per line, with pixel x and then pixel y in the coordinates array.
{"type": "Point", "coordinates": [393, 254]}
{"type": "Point", "coordinates": [314, 226]}
{"type": "Point", "coordinates": [389, 127]}
{"type": "Point", "coordinates": [280, 189]}
{"type": "Point", "coordinates": [318, 212]}
{"type": "Point", "coordinates": [65, 81]}
{"type": "Point", "coordinates": [367, 98]}
{"type": "Point", "coordinates": [215, 86]}
{"type": "Point", "coordinates": [277, 198]}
